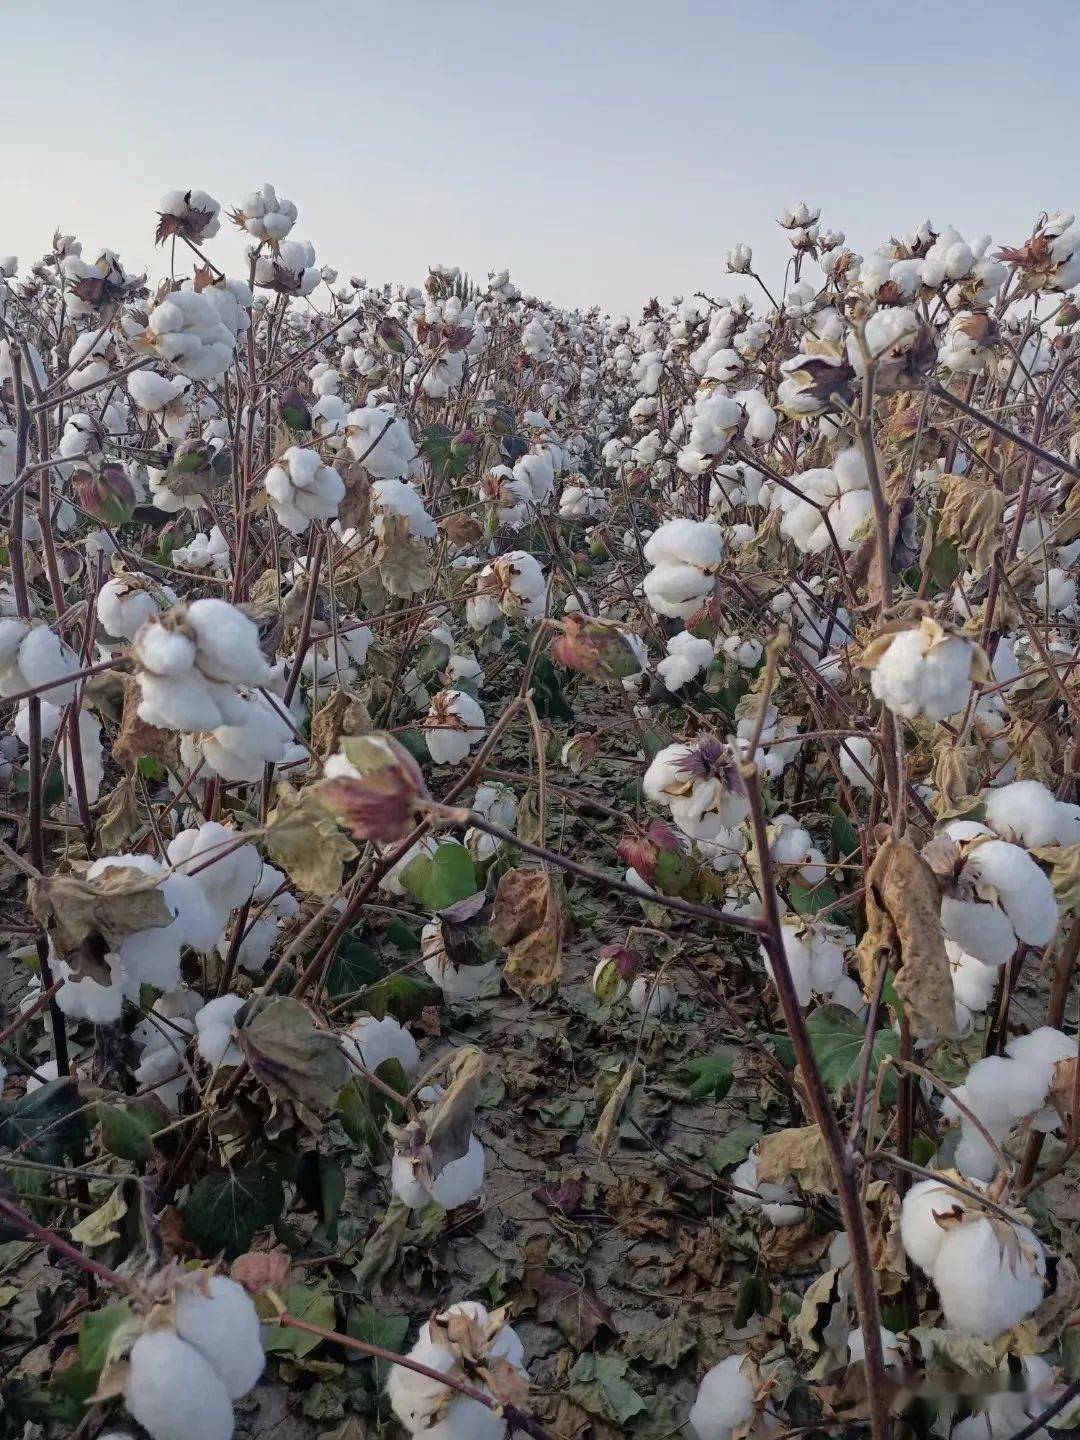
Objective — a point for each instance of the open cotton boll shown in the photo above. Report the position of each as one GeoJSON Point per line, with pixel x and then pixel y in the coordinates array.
{"type": "Point", "coordinates": [302, 489]}
{"type": "Point", "coordinates": [431, 1409]}
{"type": "Point", "coordinates": [650, 998]}
{"type": "Point", "coordinates": [973, 982]}
{"type": "Point", "coordinates": [1024, 811]}
{"type": "Point", "coordinates": [214, 1029]}
{"type": "Point", "coordinates": [174, 1392]}
{"type": "Point", "coordinates": [988, 1283]}
{"type": "Point", "coordinates": [687, 656]}
{"type": "Point", "coordinates": [455, 723]}
{"type": "Point", "coordinates": [398, 497]}
{"type": "Point", "coordinates": [381, 441]}
{"type": "Point", "coordinates": [369, 1043]}
{"type": "Point", "coordinates": [924, 671]}
{"type": "Point", "coordinates": [457, 982]}
{"type": "Point", "coordinates": [1004, 1413]}
{"type": "Point", "coordinates": [43, 659]}
{"type": "Point", "coordinates": [779, 1203]}
{"type": "Point", "coordinates": [890, 1346]}
{"type": "Point", "coordinates": [724, 1401]}
{"type": "Point", "coordinates": [88, 999]}
{"type": "Point", "coordinates": [227, 643]}
{"type": "Point", "coordinates": [224, 1327]}
{"type": "Point", "coordinates": [457, 1184]}
{"type": "Point", "coordinates": [124, 605]}
{"type": "Point", "coordinates": [686, 542]}
{"type": "Point", "coordinates": [701, 786]}
{"type": "Point", "coordinates": [999, 898]}
{"type": "Point", "coordinates": [920, 1233]}
{"type": "Point", "coordinates": [677, 590]}
{"type": "Point", "coordinates": [414, 1397]}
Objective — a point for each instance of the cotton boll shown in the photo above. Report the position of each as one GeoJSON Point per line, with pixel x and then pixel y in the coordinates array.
{"type": "Point", "coordinates": [986, 1285]}
{"type": "Point", "coordinates": [857, 762]}
{"type": "Point", "coordinates": [924, 671]}
{"type": "Point", "coordinates": [87, 998]}
{"type": "Point", "coordinates": [454, 725]}
{"type": "Point", "coordinates": [44, 658]}
{"type": "Point", "coordinates": [687, 657]}
{"type": "Point", "coordinates": [1024, 811]}
{"type": "Point", "coordinates": [651, 999]}
{"type": "Point", "coordinates": [414, 1397]}
{"type": "Point", "coordinates": [724, 1401]}
{"type": "Point", "coordinates": [973, 982]}
{"type": "Point", "coordinates": [369, 1042]}
{"type": "Point", "coordinates": [456, 1184]}
{"type": "Point", "coordinates": [174, 1392]}
{"type": "Point", "coordinates": [920, 1233]}
{"type": "Point", "coordinates": [1023, 891]}
{"type": "Point", "coordinates": [228, 643]}
{"type": "Point", "coordinates": [779, 1203]}
{"type": "Point", "coordinates": [214, 1026]}
{"type": "Point", "coordinates": [224, 1327]}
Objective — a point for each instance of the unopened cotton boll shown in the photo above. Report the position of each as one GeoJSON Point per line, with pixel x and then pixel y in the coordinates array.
{"type": "Point", "coordinates": [224, 1327]}
{"type": "Point", "coordinates": [724, 1401]}
{"type": "Point", "coordinates": [174, 1392]}
{"type": "Point", "coordinates": [650, 997]}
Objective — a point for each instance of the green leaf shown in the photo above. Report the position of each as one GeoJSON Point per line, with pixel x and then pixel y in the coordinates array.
{"type": "Point", "coordinates": [441, 879]}
{"type": "Point", "coordinates": [403, 996]}
{"type": "Point", "coordinates": [151, 769]}
{"type": "Point", "coordinates": [709, 1077]}
{"type": "Point", "coordinates": [755, 1298]}
{"type": "Point", "coordinates": [313, 1303]}
{"type": "Point", "coordinates": [599, 1385]}
{"type": "Point", "coordinates": [226, 1208]}
{"type": "Point", "coordinates": [127, 1131]}
{"type": "Point", "coordinates": [363, 1110]}
{"type": "Point", "coordinates": [103, 1335]}
{"type": "Point", "coordinates": [837, 1038]}
{"type": "Point", "coordinates": [402, 937]}
{"type": "Point", "coordinates": [354, 966]}
{"type": "Point", "coordinates": [47, 1124]}
{"type": "Point", "coordinates": [673, 875]}
{"type": "Point", "coordinates": [375, 1327]}
{"type": "Point", "coordinates": [944, 562]}
{"type": "Point", "coordinates": [845, 837]}
{"type": "Point", "coordinates": [732, 1148]}
{"type": "Point", "coordinates": [808, 901]}
{"type": "Point", "coordinates": [382, 1248]}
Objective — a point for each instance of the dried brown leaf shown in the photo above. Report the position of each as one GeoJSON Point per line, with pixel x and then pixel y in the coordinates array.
{"type": "Point", "coordinates": [529, 920]}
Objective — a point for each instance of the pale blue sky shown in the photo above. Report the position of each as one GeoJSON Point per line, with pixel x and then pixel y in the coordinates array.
{"type": "Point", "coordinates": [605, 150]}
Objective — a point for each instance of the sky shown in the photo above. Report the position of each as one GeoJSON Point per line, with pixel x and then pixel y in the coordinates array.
{"type": "Point", "coordinates": [605, 150]}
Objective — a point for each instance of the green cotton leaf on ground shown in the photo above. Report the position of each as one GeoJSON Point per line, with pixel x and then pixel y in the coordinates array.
{"type": "Point", "coordinates": [354, 966]}
{"type": "Point", "coordinates": [47, 1125]}
{"type": "Point", "coordinates": [599, 1385]}
{"type": "Point", "coordinates": [226, 1208]}
{"type": "Point", "coordinates": [837, 1039]}
{"type": "Point", "coordinates": [375, 1326]}
{"type": "Point", "coordinates": [313, 1303]}
{"type": "Point", "coordinates": [732, 1148]}
{"type": "Point", "coordinates": [441, 879]}
{"type": "Point", "coordinates": [708, 1078]}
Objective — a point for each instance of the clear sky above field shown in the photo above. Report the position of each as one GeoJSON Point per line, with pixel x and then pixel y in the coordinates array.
{"type": "Point", "coordinates": [605, 150]}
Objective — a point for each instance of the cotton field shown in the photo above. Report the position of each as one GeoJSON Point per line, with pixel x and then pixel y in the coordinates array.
{"type": "Point", "coordinates": [540, 849]}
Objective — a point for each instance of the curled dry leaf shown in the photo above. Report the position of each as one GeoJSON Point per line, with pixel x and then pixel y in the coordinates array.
{"type": "Point", "coordinates": [903, 902]}
{"type": "Point", "coordinates": [303, 837]}
{"type": "Point", "coordinates": [87, 919]}
{"type": "Point", "coordinates": [801, 1153]}
{"type": "Point", "coordinates": [295, 1059]}
{"type": "Point", "coordinates": [137, 739]}
{"type": "Point", "coordinates": [972, 515]}
{"type": "Point", "coordinates": [604, 1133]}
{"type": "Point", "coordinates": [529, 920]}
{"type": "Point", "coordinates": [262, 1269]}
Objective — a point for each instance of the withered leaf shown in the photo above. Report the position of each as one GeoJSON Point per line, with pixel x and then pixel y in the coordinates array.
{"type": "Point", "coordinates": [903, 904]}
{"type": "Point", "coordinates": [404, 564]}
{"type": "Point", "coordinates": [449, 1123]}
{"type": "Point", "coordinates": [612, 1112]}
{"type": "Point", "coordinates": [303, 837]}
{"type": "Point", "coordinates": [1063, 1092]}
{"type": "Point", "coordinates": [883, 1229]}
{"type": "Point", "coordinates": [800, 1153]}
{"type": "Point", "coordinates": [972, 515]}
{"type": "Point", "coordinates": [117, 816]}
{"type": "Point", "coordinates": [293, 1057]}
{"type": "Point", "coordinates": [529, 920]}
{"type": "Point", "coordinates": [343, 714]}
{"type": "Point", "coordinates": [86, 919]}
{"type": "Point", "coordinates": [137, 739]}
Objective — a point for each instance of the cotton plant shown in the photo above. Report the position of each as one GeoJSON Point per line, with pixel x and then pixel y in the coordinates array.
{"type": "Point", "coordinates": [264, 216]}
{"type": "Point", "coordinates": [513, 586]}
{"type": "Point", "coordinates": [923, 669]}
